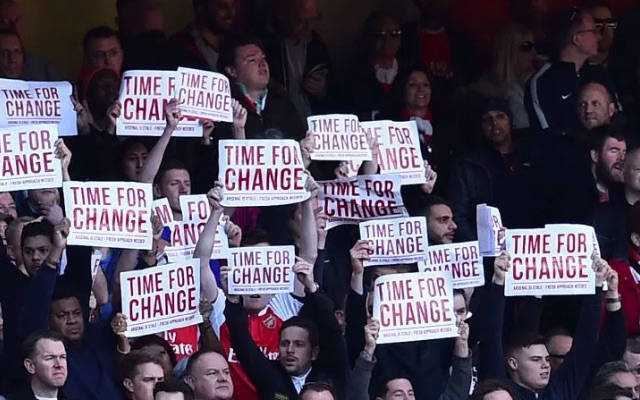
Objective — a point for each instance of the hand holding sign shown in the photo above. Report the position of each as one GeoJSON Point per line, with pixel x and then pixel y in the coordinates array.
{"type": "Point", "coordinates": [62, 153]}
{"type": "Point", "coordinates": [371, 332]}
{"type": "Point", "coordinates": [462, 341]}
{"type": "Point", "coordinates": [342, 170]}
{"type": "Point", "coordinates": [239, 117]}
{"type": "Point", "coordinates": [113, 113]}
{"type": "Point", "coordinates": [224, 282]}
{"type": "Point", "coordinates": [206, 308]}
{"type": "Point", "coordinates": [207, 129]}
{"type": "Point", "coordinates": [234, 233]}
{"type": "Point", "coordinates": [431, 177]}
{"type": "Point", "coordinates": [601, 268]}
{"type": "Point", "coordinates": [84, 119]}
{"type": "Point", "coordinates": [215, 197]}
{"type": "Point", "coordinates": [173, 114]}
{"type": "Point", "coordinates": [307, 144]}
{"type": "Point", "coordinates": [359, 252]}
{"type": "Point", "coordinates": [501, 266]}
{"type": "Point", "coordinates": [304, 272]}
{"type": "Point", "coordinates": [52, 213]}
{"type": "Point", "coordinates": [156, 227]}
{"type": "Point", "coordinates": [119, 325]}
{"type": "Point", "coordinates": [60, 234]}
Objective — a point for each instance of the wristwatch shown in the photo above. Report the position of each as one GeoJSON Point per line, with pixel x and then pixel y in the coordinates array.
{"type": "Point", "coordinates": [317, 287]}
{"type": "Point", "coordinates": [614, 300]}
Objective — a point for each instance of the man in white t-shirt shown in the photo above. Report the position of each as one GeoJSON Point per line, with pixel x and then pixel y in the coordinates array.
{"type": "Point", "coordinates": [46, 364]}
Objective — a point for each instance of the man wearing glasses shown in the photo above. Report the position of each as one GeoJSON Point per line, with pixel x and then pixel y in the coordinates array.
{"type": "Point", "coordinates": [606, 25]}
{"type": "Point", "coordinates": [551, 97]}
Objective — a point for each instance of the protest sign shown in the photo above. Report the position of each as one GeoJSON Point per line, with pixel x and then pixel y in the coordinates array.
{"type": "Point", "coordinates": [399, 150]}
{"type": "Point", "coordinates": [35, 103]}
{"type": "Point", "coordinates": [361, 198]}
{"type": "Point", "coordinates": [262, 173]}
{"type": "Point", "coordinates": [109, 214]}
{"type": "Point", "coordinates": [490, 231]}
{"type": "Point", "coordinates": [195, 207]}
{"type": "Point", "coordinates": [204, 94]}
{"type": "Point", "coordinates": [338, 137]}
{"type": "Point", "coordinates": [28, 159]}
{"type": "Point", "coordinates": [183, 341]}
{"type": "Point", "coordinates": [550, 261]}
{"type": "Point", "coordinates": [185, 234]}
{"type": "Point", "coordinates": [261, 270]}
{"type": "Point", "coordinates": [162, 210]}
{"type": "Point", "coordinates": [96, 258]}
{"type": "Point", "coordinates": [395, 241]}
{"type": "Point", "coordinates": [461, 260]}
{"type": "Point", "coordinates": [160, 299]}
{"type": "Point", "coordinates": [414, 306]}
{"type": "Point", "coordinates": [143, 95]}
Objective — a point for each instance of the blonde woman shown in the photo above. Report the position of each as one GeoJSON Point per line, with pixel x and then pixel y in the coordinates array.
{"type": "Point", "coordinates": [514, 54]}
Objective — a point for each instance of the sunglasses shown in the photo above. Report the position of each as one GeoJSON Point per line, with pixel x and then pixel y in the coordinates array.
{"type": "Point", "coordinates": [527, 46]}
{"type": "Point", "coordinates": [393, 33]}
{"type": "Point", "coordinates": [608, 23]}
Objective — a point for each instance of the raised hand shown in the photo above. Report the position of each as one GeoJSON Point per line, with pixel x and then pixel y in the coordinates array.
{"type": "Point", "coordinates": [215, 197]}
{"type": "Point", "coordinates": [359, 252]}
{"type": "Point", "coordinates": [304, 272]}
{"type": "Point", "coordinates": [172, 113]}
{"type": "Point", "coordinates": [113, 113]}
{"type": "Point", "coordinates": [501, 267]}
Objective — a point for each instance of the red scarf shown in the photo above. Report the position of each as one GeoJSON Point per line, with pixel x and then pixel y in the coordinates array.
{"type": "Point", "coordinates": [406, 115]}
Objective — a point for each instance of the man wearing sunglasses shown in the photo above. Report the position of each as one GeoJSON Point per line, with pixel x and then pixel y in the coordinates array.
{"type": "Point", "coordinates": [606, 25]}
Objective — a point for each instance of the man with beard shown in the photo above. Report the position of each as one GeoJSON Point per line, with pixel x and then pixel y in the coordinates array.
{"type": "Point", "coordinates": [607, 156]}
{"type": "Point", "coordinates": [611, 219]}
{"type": "Point", "coordinates": [198, 45]}
{"type": "Point", "coordinates": [496, 172]}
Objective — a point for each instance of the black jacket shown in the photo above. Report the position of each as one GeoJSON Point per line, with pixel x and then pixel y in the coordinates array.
{"type": "Point", "coordinates": [611, 222]}
{"type": "Point", "coordinates": [567, 382]}
{"type": "Point", "coordinates": [317, 54]}
{"type": "Point", "coordinates": [270, 379]}
{"type": "Point", "coordinates": [483, 175]}
{"type": "Point", "coordinates": [27, 394]}
{"type": "Point", "coordinates": [551, 95]}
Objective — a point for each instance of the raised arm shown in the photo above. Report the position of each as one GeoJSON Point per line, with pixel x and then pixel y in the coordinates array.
{"type": "Point", "coordinates": [153, 161]}
{"type": "Point", "coordinates": [204, 247]}
{"type": "Point", "coordinates": [361, 375]}
{"type": "Point", "coordinates": [63, 154]}
{"type": "Point", "coordinates": [571, 376]}
{"type": "Point", "coordinates": [459, 383]}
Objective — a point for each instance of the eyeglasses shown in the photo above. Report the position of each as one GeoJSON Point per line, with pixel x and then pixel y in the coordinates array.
{"type": "Point", "coordinates": [527, 46]}
{"type": "Point", "coordinates": [381, 34]}
{"type": "Point", "coordinates": [608, 23]}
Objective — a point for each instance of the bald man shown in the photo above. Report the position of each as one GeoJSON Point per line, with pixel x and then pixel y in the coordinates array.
{"type": "Point", "coordinates": [610, 219]}
{"type": "Point", "coordinates": [595, 106]}
{"type": "Point", "coordinates": [35, 68]}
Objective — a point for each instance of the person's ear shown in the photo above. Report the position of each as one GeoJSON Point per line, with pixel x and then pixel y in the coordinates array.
{"type": "Point", "coordinates": [231, 71]}
{"type": "Point", "coordinates": [156, 191]}
{"type": "Point", "coordinates": [512, 364]}
{"type": "Point", "coordinates": [314, 353]}
{"type": "Point", "coordinates": [188, 379]}
{"type": "Point", "coordinates": [29, 365]}
{"type": "Point", "coordinates": [612, 109]}
{"type": "Point", "coordinates": [594, 156]}
{"type": "Point", "coordinates": [635, 239]}
{"type": "Point", "coordinates": [128, 385]}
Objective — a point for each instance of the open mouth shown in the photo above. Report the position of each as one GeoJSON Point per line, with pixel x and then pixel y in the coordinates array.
{"type": "Point", "coordinates": [254, 296]}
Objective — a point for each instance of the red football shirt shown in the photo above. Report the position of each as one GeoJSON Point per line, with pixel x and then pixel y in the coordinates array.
{"type": "Point", "coordinates": [264, 329]}
{"type": "Point", "coordinates": [435, 54]}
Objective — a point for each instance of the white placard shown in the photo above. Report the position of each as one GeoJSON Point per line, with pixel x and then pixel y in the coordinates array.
{"type": "Point", "coordinates": [262, 173]}
{"type": "Point", "coordinates": [261, 270]}
{"type": "Point", "coordinates": [490, 233]}
{"type": "Point", "coordinates": [550, 261]}
{"type": "Point", "coordinates": [109, 214]}
{"type": "Point", "coordinates": [414, 306]}
{"type": "Point", "coordinates": [395, 241]}
{"type": "Point", "coordinates": [161, 298]}
{"type": "Point", "coordinates": [361, 198]}
{"type": "Point", "coordinates": [143, 95]}
{"type": "Point", "coordinates": [36, 103]}
{"type": "Point", "coordinates": [28, 158]}
{"type": "Point", "coordinates": [204, 94]}
{"type": "Point", "coordinates": [461, 260]}
{"type": "Point", "coordinates": [338, 137]}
